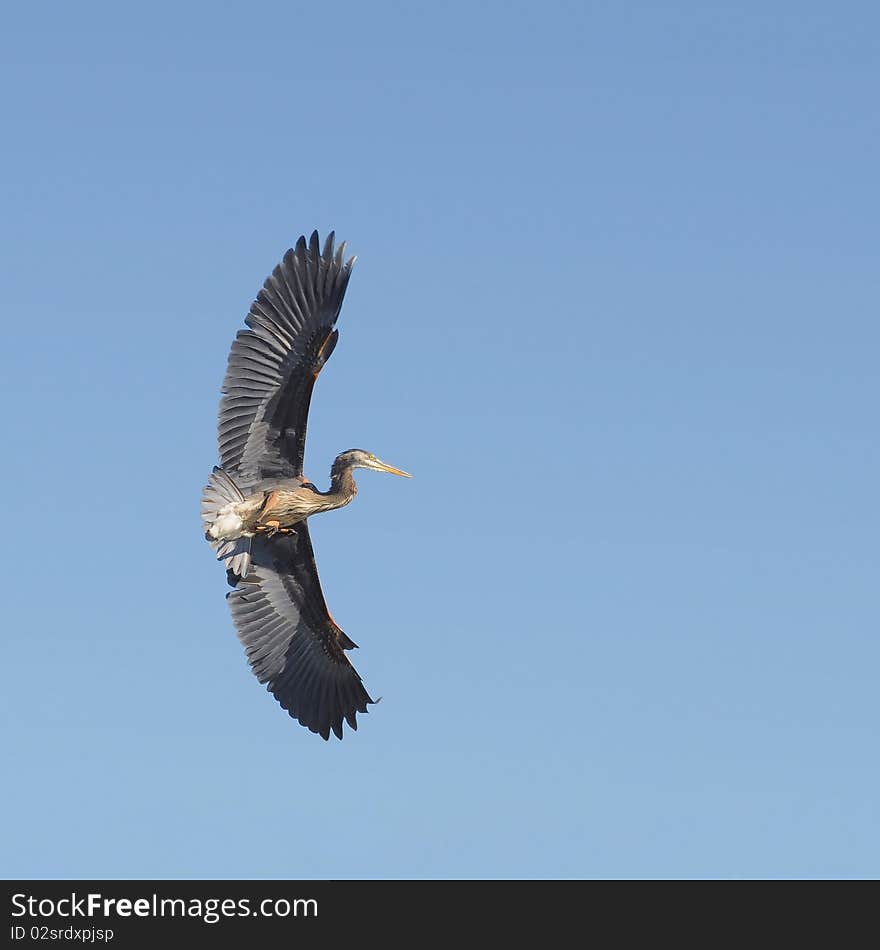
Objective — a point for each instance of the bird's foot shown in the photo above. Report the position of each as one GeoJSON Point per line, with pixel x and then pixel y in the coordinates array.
{"type": "Point", "coordinates": [271, 528]}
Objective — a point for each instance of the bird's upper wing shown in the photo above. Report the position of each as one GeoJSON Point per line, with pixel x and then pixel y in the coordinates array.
{"type": "Point", "coordinates": [273, 365]}
{"type": "Point", "coordinates": [292, 642]}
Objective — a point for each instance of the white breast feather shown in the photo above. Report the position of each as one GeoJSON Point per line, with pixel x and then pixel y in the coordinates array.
{"type": "Point", "coordinates": [228, 523]}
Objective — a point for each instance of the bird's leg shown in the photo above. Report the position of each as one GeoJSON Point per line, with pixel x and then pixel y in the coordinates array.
{"type": "Point", "coordinates": [267, 524]}
{"type": "Point", "coordinates": [271, 528]}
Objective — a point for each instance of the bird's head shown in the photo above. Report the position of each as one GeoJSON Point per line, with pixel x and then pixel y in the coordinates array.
{"type": "Point", "coordinates": [358, 458]}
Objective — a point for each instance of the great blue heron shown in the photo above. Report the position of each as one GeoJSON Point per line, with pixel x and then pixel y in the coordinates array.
{"type": "Point", "coordinates": [256, 502]}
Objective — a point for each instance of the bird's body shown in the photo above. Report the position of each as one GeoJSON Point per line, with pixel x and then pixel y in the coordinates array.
{"type": "Point", "coordinates": [256, 503]}
{"type": "Point", "coordinates": [284, 503]}
{"type": "Point", "coordinates": [274, 509]}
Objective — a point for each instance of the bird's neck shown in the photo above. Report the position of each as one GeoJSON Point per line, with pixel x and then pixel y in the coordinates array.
{"type": "Point", "coordinates": [342, 486]}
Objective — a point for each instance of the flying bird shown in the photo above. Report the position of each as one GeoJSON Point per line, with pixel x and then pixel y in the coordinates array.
{"type": "Point", "coordinates": [257, 502]}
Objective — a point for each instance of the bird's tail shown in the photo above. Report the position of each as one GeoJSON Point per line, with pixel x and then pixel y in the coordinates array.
{"type": "Point", "coordinates": [220, 492]}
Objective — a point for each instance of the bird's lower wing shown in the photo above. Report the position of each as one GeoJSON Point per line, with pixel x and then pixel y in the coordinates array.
{"type": "Point", "coordinates": [292, 643]}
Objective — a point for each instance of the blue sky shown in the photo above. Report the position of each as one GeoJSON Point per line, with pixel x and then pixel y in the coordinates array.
{"type": "Point", "coordinates": [615, 307]}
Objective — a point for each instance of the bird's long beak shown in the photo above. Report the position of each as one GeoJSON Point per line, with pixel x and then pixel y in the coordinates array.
{"type": "Point", "coordinates": [383, 467]}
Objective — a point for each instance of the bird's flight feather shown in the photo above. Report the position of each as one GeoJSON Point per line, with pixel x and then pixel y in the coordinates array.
{"type": "Point", "coordinates": [274, 363]}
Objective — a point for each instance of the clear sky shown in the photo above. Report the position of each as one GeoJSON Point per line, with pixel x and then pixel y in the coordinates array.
{"type": "Point", "coordinates": [615, 306]}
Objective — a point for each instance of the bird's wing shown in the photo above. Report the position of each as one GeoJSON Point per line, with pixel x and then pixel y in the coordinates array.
{"type": "Point", "coordinates": [273, 364]}
{"type": "Point", "coordinates": [292, 643]}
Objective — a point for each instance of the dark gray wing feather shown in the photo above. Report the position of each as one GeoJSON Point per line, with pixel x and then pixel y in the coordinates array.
{"type": "Point", "coordinates": [273, 364]}
{"type": "Point", "coordinates": [292, 642]}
